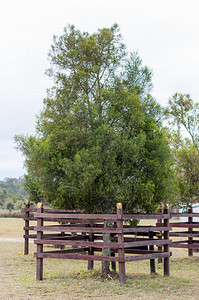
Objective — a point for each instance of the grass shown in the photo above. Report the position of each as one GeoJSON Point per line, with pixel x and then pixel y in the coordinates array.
{"type": "Point", "coordinates": [65, 279]}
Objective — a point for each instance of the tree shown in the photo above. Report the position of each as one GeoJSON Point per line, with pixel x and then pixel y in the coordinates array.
{"type": "Point", "coordinates": [13, 189]}
{"type": "Point", "coordinates": [136, 76]}
{"type": "Point", "coordinates": [184, 113]}
{"type": "Point", "coordinates": [3, 194]}
{"type": "Point", "coordinates": [184, 117]}
{"type": "Point", "coordinates": [99, 138]}
{"type": "Point", "coordinates": [187, 171]}
{"type": "Point", "coordinates": [9, 206]}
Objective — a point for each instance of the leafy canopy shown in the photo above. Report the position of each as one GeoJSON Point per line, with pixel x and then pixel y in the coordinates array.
{"type": "Point", "coordinates": [99, 138]}
{"type": "Point", "coordinates": [183, 115]}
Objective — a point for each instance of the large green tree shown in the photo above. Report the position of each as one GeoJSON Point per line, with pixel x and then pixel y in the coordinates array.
{"type": "Point", "coordinates": [99, 138]}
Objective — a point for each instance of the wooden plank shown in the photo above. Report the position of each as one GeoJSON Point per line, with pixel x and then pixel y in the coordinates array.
{"type": "Point", "coordinates": [185, 225]}
{"type": "Point", "coordinates": [179, 245]}
{"type": "Point", "coordinates": [29, 228]}
{"type": "Point", "coordinates": [184, 234]}
{"type": "Point", "coordinates": [194, 246]}
{"type": "Point", "coordinates": [175, 215]}
{"type": "Point", "coordinates": [166, 245]}
{"type": "Point", "coordinates": [147, 256]}
{"type": "Point", "coordinates": [30, 210]}
{"type": "Point", "coordinates": [56, 236]}
{"type": "Point", "coordinates": [39, 267]}
{"type": "Point", "coordinates": [83, 249]}
{"type": "Point", "coordinates": [121, 253]}
{"type": "Point", "coordinates": [76, 229]}
{"type": "Point", "coordinates": [144, 216]}
{"type": "Point", "coordinates": [77, 216]}
{"type": "Point", "coordinates": [139, 251]}
{"type": "Point", "coordinates": [29, 219]}
{"type": "Point", "coordinates": [30, 236]}
{"type": "Point", "coordinates": [91, 251]}
{"type": "Point", "coordinates": [66, 238]}
{"type": "Point", "coordinates": [53, 211]}
{"type": "Point", "coordinates": [57, 220]}
{"type": "Point", "coordinates": [190, 230]}
{"type": "Point", "coordinates": [146, 229]}
{"type": "Point", "coordinates": [159, 223]}
{"type": "Point", "coordinates": [152, 260]}
{"type": "Point", "coordinates": [76, 256]}
{"type": "Point", "coordinates": [146, 243]}
{"type": "Point", "coordinates": [179, 242]}
{"type": "Point", "coordinates": [27, 216]}
{"type": "Point", "coordinates": [78, 243]}
{"type": "Point", "coordinates": [131, 251]}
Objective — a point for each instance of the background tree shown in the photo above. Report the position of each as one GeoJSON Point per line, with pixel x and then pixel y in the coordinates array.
{"type": "Point", "coordinates": [3, 194]}
{"type": "Point", "coordinates": [9, 206]}
{"type": "Point", "coordinates": [183, 115]}
{"type": "Point", "coordinates": [12, 190]}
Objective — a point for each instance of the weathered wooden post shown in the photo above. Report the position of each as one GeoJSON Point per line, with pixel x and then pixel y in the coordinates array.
{"type": "Point", "coordinates": [27, 215]}
{"type": "Point", "coordinates": [39, 275]}
{"type": "Point", "coordinates": [113, 263]}
{"type": "Point", "coordinates": [166, 237]}
{"type": "Point", "coordinates": [91, 251]}
{"type": "Point", "coordinates": [159, 221]}
{"type": "Point", "coordinates": [151, 247]}
{"type": "Point", "coordinates": [190, 230]}
{"type": "Point", "coordinates": [121, 252]}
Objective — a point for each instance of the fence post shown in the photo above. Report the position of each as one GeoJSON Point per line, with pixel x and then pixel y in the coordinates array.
{"type": "Point", "coordinates": [91, 251]}
{"type": "Point", "coordinates": [113, 263]}
{"type": "Point", "coordinates": [121, 253]}
{"type": "Point", "coordinates": [166, 237]}
{"type": "Point", "coordinates": [190, 230]}
{"type": "Point", "coordinates": [151, 247]}
{"type": "Point", "coordinates": [39, 275]}
{"type": "Point", "coordinates": [159, 221]}
{"type": "Point", "coordinates": [27, 215]}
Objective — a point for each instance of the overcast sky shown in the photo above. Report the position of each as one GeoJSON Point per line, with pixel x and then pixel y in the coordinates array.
{"type": "Point", "coordinates": [165, 33]}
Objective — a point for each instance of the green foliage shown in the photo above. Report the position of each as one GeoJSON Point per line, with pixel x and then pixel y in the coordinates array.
{"type": "Point", "coordinates": [183, 116]}
{"type": "Point", "coordinates": [12, 190]}
{"type": "Point", "coordinates": [184, 113]}
{"type": "Point", "coordinates": [187, 170]}
{"type": "Point", "coordinates": [99, 138]}
{"type": "Point", "coordinates": [136, 76]}
{"type": "Point", "coordinates": [9, 206]}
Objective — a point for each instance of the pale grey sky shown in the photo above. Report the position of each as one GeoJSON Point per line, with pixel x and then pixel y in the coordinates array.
{"type": "Point", "coordinates": [165, 33]}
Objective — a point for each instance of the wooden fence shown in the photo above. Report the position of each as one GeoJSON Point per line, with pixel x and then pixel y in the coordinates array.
{"type": "Point", "coordinates": [31, 222]}
{"type": "Point", "coordinates": [126, 243]}
{"type": "Point", "coordinates": [188, 234]}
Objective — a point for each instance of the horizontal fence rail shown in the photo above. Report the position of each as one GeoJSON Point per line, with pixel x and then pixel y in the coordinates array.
{"type": "Point", "coordinates": [82, 237]}
{"type": "Point", "coordinates": [186, 232]}
{"type": "Point", "coordinates": [31, 220]}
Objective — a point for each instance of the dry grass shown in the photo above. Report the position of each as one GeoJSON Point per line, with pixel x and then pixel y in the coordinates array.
{"type": "Point", "coordinates": [65, 279]}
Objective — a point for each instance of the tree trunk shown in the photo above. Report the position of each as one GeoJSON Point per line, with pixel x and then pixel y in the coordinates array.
{"type": "Point", "coordinates": [106, 251]}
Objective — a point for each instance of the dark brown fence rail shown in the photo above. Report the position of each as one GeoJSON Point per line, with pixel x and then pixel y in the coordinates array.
{"type": "Point", "coordinates": [31, 222]}
{"type": "Point", "coordinates": [188, 234]}
{"type": "Point", "coordinates": [126, 243]}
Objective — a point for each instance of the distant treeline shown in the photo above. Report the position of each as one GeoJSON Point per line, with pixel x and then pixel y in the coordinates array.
{"type": "Point", "coordinates": [12, 193]}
